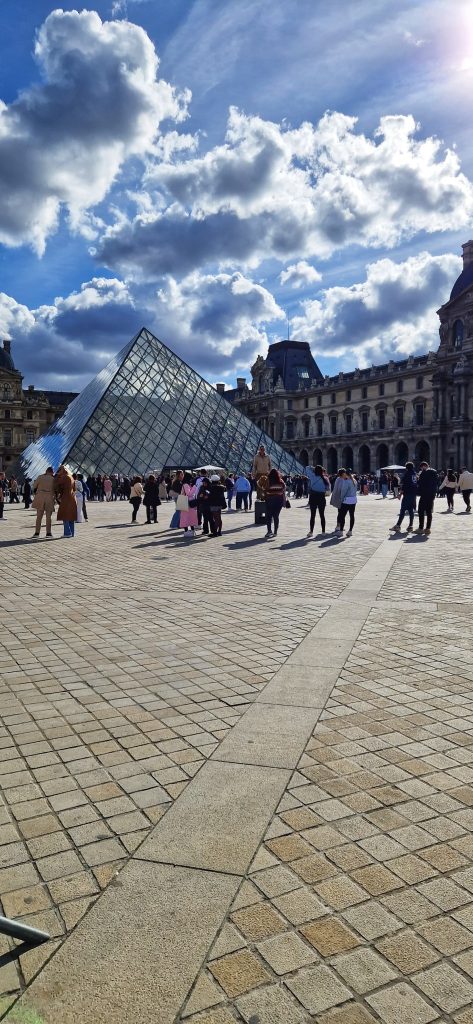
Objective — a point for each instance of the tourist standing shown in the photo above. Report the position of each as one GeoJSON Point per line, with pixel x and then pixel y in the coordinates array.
{"type": "Point", "coordinates": [136, 494]}
{"type": "Point", "coordinates": [427, 490]}
{"type": "Point", "coordinates": [348, 499]}
{"type": "Point", "coordinates": [384, 483]}
{"type": "Point", "coordinates": [79, 494]}
{"type": "Point", "coordinates": [217, 504]}
{"type": "Point", "coordinates": [188, 516]}
{"type": "Point", "coordinates": [275, 497]}
{"type": "Point", "coordinates": [242, 490]}
{"type": "Point", "coordinates": [162, 489]}
{"type": "Point", "coordinates": [3, 494]}
{"type": "Point", "coordinates": [203, 506]}
{"type": "Point", "coordinates": [408, 498]}
{"type": "Point", "coordinates": [449, 486]}
{"type": "Point", "coordinates": [230, 488]}
{"type": "Point", "coordinates": [261, 463]}
{"type": "Point", "coordinates": [319, 487]}
{"type": "Point", "coordinates": [465, 484]}
{"type": "Point", "coordinates": [85, 497]}
{"type": "Point", "coordinates": [151, 499]}
{"type": "Point", "coordinates": [44, 500]}
{"type": "Point", "coordinates": [27, 492]}
{"type": "Point", "coordinates": [67, 509]}
{"type": "Point", "coordinates": [13, 487]}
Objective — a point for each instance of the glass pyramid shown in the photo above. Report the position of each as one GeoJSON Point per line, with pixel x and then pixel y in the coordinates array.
{"type": "Point", "coordinates": [147, 410]}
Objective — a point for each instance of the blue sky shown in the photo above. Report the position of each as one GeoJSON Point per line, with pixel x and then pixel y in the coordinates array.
{"type": "Point", "coordinates": [208, 168]}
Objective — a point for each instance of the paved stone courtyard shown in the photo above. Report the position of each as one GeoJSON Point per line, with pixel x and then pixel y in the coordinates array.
{"type": "Point", "coordinates": [237, 774]}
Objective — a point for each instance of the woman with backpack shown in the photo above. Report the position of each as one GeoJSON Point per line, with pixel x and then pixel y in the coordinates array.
{"type": "Point", "coordinates": [449, 487]}
{"type": "Point", "coordinates": [319, 487]}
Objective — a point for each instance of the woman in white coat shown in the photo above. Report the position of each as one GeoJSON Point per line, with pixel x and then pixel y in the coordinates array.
{"type": "Point", "coordinates": [79, 496]}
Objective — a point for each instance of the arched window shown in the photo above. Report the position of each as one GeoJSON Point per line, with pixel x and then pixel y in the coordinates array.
{"type": "Point", "coordinates": [457, 334]}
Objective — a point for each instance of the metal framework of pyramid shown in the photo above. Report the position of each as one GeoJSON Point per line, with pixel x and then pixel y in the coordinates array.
{"type": "Point", "coordinates": [147, 409]}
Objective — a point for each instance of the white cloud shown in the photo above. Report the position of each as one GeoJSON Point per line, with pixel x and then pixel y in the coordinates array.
{"type": "Point", "coordinates": [390, 314]}
{"type": "Point", "coordinates": [299, 274]}
{"type": "Point", "coordinates": [63, 142]}
{"type": "Point", "coordinates": [273, 191]}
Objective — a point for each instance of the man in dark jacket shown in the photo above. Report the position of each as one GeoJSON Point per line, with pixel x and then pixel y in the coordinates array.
{"type": "Point", "coordinates": [408, 502]}
{"type": "Point", "coordinates": [427, 490]}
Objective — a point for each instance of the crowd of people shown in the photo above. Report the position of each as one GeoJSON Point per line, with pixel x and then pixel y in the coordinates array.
{"type": "Point", "coordinates": [201, 496]}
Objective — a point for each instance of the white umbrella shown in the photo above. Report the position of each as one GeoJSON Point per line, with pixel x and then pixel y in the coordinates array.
{"type": "Point", "coordinates": [210, 469]}
{"type": "Point", "coordinates": [391, 469]}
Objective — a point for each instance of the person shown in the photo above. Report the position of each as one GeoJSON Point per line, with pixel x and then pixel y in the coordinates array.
{"type": "Point", "coordinates": [427, 490]}
{"type": "Point", "coordinates": [465, 484]}
{"type": "Point", "coordinates": [163, 490]}
{"type": "Point", "coordinates": [151, 499]}
{"type": "Point", "coordinates": [27, 492]}
{"type": "Point", "coordinates": [44, 501]}
{"type": "Point", "coordinates": [203, 506]}
{"type": "Point", "coordinates": [408, 498]}
{"type": "Point", "coordinates": [229, 487]}
{"type": "Point", "coordinates": [14, 496]}
{"type": "Point", "coordinates": [67, 509]}
{"type": "Point", "coordinates": [114, 479]}
{"type": "Point", "coordinates": [107, 488]}
{"type": "Point", "coordinates": [217, 504]}
{"type": "Point", "coordinates": [252, 482]}
{"type": "Point", "coordinates": [275, 497]}
{"type": "Point", "coordinates": [136, 494]}
{"type": "Point", "coordinates": [348, 500]}
{"type": "Point", "coordinates": [243, 491]}
{"type": "Point", "coordinates": [395, 484]}
{"type": "Point", "coordinates": [261, 463]}
{"type": "Point", "coordinates": [3, 494]}
{"type": "Point", "coordinates": [449, 486]}
{"type": "Point", "coordinates": [383, 483]}
{"type": "Point", "coordinates": [85, 496]}
{"type": "Point", "coordinates": [188, 518]}
{"type": "Point", "coordinates": [319, 487]}
{"type": "Point", "coordinates": [79, 495]}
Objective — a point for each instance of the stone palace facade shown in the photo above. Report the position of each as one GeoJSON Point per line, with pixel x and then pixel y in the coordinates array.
{"type": "Point", "coordinates": [417, 408]}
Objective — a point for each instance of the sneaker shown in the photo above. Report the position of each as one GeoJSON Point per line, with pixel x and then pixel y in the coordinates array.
{"type": "Point", "coordinates": [49, 536]}
{"type": "Point", "coordinates": [35, 536]}
{"type": "Point", "coordinates": [420, 529]}
{"type": "Point", "coordinates": [409, 529]}
{"type": "Point", "coordinates": [310, 533]}
{"type": "Point", "coordinates": [427, 532]}
{"type": "Point", "coordinates": [396, 528]}
{"type": "Point", "coordinates": [268, 534]}
{"type": "Point", "coordinates": [338, 533]}
{"type": "Point", "coordinates": [349, 533]}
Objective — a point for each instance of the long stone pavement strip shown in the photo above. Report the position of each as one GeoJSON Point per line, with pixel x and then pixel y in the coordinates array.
{"type": "Point", "coordinates": [287, 819]}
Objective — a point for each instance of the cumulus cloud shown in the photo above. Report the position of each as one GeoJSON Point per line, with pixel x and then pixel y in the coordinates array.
{"type": "Point", "coordinates": [299, 274]}
{"type": "Point", "coordinates": [306, 192]}
{"type": "Point", "coordinates": [63, 142]}
{"type": "Point", "coordinates": [214, 322]}
{"type": "Point", "coordinates": [390, 314]}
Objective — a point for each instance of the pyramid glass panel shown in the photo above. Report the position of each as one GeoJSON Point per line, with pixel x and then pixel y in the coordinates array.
{"type": "Point", "coordinates": [147, 410]}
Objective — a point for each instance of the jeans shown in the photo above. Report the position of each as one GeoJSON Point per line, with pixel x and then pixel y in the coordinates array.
{"type": "Point", "coordinates": [273, 511]}
{"type": "Point", "coordinates": [426, 507]}
{"type": "Point", "coordinates": [242, 496]}
{"type": "Point", "coordinates": [384, 490]}
{"type": "Point", "coordinates": [317, 503]}
{"type": "Point", "coordinates": [136, 502]}
{"type": "Point", "coordinates": [342, 516]}
{"type": "Point", "coordinates": [466, 495]}
{"type": "Point", "coordinates": [408, 507]}
{"type": "Point", "coordinates": [69, 527]}
{"type": "Point", "coordinates": [151, 513]}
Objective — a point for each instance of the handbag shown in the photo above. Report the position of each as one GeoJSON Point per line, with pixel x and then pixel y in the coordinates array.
{"type": "Point", "coordinates": [288, 503]}
{"type": "Point", "coordinates": [192, 502]}
{"type": "Point", "coordinates": [182, 503]}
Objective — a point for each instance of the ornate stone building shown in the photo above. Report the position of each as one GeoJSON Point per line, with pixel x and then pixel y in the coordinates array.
{"type": "Point", "coordinates": [24, 414]}
{"type": "Point", "coordinates": [417, 408]}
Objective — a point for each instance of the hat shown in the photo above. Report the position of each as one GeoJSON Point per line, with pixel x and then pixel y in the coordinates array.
{"type": "Point", "coordinates": [215, 479]}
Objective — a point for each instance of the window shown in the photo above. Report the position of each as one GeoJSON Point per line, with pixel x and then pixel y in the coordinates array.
{"type": "Point", "coordinates": [348, 395]}
{"type": "Point", "coordinates": [7, 414]}
{"type": "Point", "coordinates": [348, 422]}
{"type": "Point", "coordinates": [457, 335]}
{"type": "Point", "coordinates": [333, 398]}
{"type": "Point", "coordinates": [420, 414]}
{"type": "Point", "coordinates": [333, 424]}
{"type": "Point", "coordinates": [400, 387]}
{"type": "Point", "coordinates": [29, 415]}
{"type": "Point", "coordinates": [306, 428]}
{"type": "Point", "coordinates": [452, 406]}
{"type": "Point", "coordinates": [302, 373]}
{"type": "Point", "coordinates": [419, 383]}
{"type": "Point", "coordinates": [306, 403]}
{"type": "Point", "coordinates": [290, 430]}
{"type": "Point", "coordinates": [364, 391]}
{"type": "Point", "coordinates": [320, 427]}
{"type": "Point", "coordinates": [382, 419]}
{"type": "Point", "coordinates": [381, 389]}
{"type": "Point", "coordinates": [400, 414]}
{"type": "Point", "coordinates": [364, 421]}
{"type": "Point", "coordinates": [289, 403]}
{"type": "Point", "coordinates": [7, 436]}
{"type": "Point", "coordinates": [319, 400]}
{"type": "Point", "coordinates": [30, 436]}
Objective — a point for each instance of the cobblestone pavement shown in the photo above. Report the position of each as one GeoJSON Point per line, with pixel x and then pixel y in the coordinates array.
{"type": "Point", "coordinates": [129, 657]}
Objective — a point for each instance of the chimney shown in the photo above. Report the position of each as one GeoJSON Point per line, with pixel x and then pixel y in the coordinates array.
{"type": "Point", "coordinates": [220, 388]}
{"type": "Point", "coordinates": [30, 387]}
{"type": "Point", "coordinates": [7, 342]}
{"type": "Point", "coordinates": [241, 382]}
{"type": "Point", "coordinates": [467, 255]}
